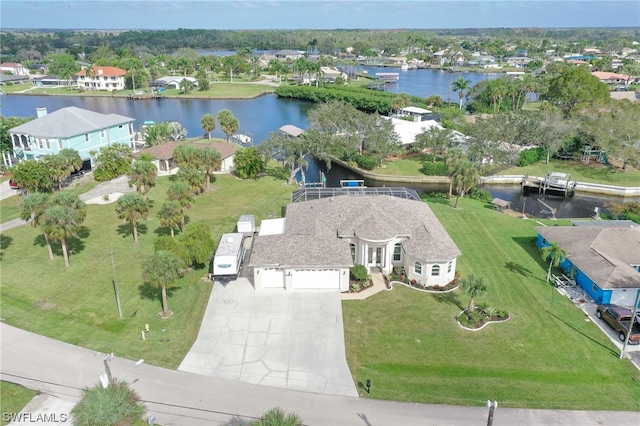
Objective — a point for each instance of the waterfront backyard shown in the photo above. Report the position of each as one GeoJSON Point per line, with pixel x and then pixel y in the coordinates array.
{"type": "Point", "coordinates": [407, 343]}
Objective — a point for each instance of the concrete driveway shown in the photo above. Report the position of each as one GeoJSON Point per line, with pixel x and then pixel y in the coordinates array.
{"type": "Point", "coordinates": [272, 337]}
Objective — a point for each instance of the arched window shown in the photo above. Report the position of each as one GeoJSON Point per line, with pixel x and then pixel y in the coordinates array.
{"type": "Point", "coordinates": [417, 268]}
{"type": "Point", "coordinates": [353, 252]}
{"type": "Point", "coordinates": [397, 252]}
{"type": "Point", "coordinates": [435, 270]}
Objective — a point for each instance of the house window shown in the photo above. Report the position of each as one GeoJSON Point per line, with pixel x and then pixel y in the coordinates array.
{"type": "Point", "coordinates": [48, 144]}
{"type": "Point", "coordinates": [86, 137]}
{"type": "Point", "coordinates": [417, 268]}
{"type": "Point", "coordinates": [40, 143]}
{"type": "Point", "coordinates": [102, 133]}
{"type": "Point", "coordinates": [595, 288]}
{"type": "Point", "coordinates": [397, 252]}
{"type": "Point", "coordinates": [435, 270]}
{"type": "Point", "coordinates": [353, 252]}
{"type": "Point", "coordinates": [60, 146]}
{"type": "Point", "coordinates": [449, 266]}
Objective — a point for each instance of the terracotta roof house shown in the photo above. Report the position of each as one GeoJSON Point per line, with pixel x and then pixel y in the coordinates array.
{"type": "Point", "coordinates": [70, 127]}
{"type": "Point", "coordinates": [101, 78]}
{"type": "Point", "coordinates": [163, 154]}
{"type": "Point", "coordinates": [603, 260]}
{"type": "Point", "coordinates": [613, 78]}
{"type": "Point", "coordinates": [323, 238]}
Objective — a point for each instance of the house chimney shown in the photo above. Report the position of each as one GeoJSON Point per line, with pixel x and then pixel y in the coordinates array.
{"type": "Point", "coordinates": [41, 112]}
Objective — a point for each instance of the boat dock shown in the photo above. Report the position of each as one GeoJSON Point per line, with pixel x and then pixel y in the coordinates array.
{"type": "Point", "coordinates": [388, 77]}
{"type": "Point", "coordinates": [555, 183]}
{"type": "Point", "coordinates": [144, 96]}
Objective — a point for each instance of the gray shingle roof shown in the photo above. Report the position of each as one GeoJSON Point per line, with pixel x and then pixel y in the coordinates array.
{"type": "Point", "coordinates": [313, 230]}
{"type": "Point", "coordinates": [68, 122]}
{"type": "Point", "coordinates": [604, 254]}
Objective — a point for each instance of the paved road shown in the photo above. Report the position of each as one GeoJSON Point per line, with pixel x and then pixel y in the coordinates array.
{"type": "Point", "coordinates": [179, 398]}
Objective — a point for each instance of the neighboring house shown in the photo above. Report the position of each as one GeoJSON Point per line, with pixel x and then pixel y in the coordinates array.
{"type": "Point", "coordinates": [101, 78]}
{"type": "Point", "coordinates": [613, 78]}
{"type": "Point", "coordinates": [319, 240]}
{"type": "Point", "coordinates": [9, 79]}
{"type": "Point", "coordinates": [290, 55]}
{"type": "Point", "coordinates": [52, 81]}
{"type": "Point", "coordinates": [173, 82]}
{"type": "Point", "coordinates": [603, 260]}
{"type": "Point", "coordinates": [71, 127]}
{"type": "Point", "coordinates": [408, 130]}
{"type": "Point", "coordinates": [517, 61]}
{"type": "Point", "coordinates": [14, 68]}
{"type": "Point", "coordinates": [163, 154]}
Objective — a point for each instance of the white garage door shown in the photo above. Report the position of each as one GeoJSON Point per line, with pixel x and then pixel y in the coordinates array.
{"type": "Point", "coordinates": [272, 278]}
{"type": "Point", "coordinates": [316, 279]}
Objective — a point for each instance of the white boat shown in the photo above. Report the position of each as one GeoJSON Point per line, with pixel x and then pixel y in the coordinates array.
{"type": "Point", "coordinates": [242, 139]}
{"type": "Point", "coordinates": [404, 67]}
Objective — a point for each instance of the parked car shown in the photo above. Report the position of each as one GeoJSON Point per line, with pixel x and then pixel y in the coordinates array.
{"type": "Point", "coordinates": [619, 318]}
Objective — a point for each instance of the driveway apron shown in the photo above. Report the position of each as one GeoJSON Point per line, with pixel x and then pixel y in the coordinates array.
{"type": "Point", "coordinates": [272, 337]}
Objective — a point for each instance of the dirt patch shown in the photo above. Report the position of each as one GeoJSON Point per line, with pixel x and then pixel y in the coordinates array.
{"type": "Point", "coordinates": [46, 305]}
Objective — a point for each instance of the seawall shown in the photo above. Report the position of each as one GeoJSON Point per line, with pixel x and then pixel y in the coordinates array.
{"type": "Point", "coordinates": [443, 181]}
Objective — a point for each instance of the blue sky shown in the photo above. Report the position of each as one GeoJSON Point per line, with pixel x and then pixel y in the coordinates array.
{"type": "Point", "coordinates": [303, 14]}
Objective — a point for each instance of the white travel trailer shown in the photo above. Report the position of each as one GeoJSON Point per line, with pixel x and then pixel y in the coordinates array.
{"type": "Point", "coordinates": [228, 257]}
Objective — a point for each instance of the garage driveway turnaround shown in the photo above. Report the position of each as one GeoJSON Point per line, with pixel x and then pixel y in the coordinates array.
{"type": "Point", "coordinates": [273, 337]}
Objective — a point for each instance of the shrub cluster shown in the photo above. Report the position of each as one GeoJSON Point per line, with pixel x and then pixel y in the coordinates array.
{"type": "Point", "coordinates": [434, 169]}
{"type": "Point", "coordinates": [531, 156]}
{"type": "Point", "coordinates": [480, 194]}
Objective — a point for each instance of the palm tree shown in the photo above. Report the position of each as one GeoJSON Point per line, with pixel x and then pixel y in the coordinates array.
{"type": "Point", "coordinates": [33, 208]}
{"type": "Point", "coordinates": [555, 254]}
{"type": "Point", "coordinates": [461, 86]}
{"type": "Point", "coordinates": [278, 417]}
{"type": "Point", "coordinates": [181, 193]}
{"type": "Point", "coordinates": [170, 215]}
{"type": "Point", "coordinates": [210, 162]}
{"type": "Point", "coordinates": [473, 286]}
{"type": "Point", "coordinates": [62, 223]}
{"type": "Point", "coordinates": [464, 177]}
{"type": "Point", "coordinates": [228, 123]}
{"type": "Point", "coordinates": [453, 157]}
{"type": "Point", "coordinates": [132, 208]}
{"type": "Point", "coordinates": [142, 175]}
{"type": "Point", "coordinates": [208, 123]}
{"type": "Point", "coordinates": [162, 269]}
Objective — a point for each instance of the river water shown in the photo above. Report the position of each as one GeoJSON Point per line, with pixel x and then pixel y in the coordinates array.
{"type": "Point", "coordinates": [258, 117]}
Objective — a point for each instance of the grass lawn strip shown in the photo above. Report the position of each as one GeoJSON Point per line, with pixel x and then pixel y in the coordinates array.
{"type": "Point", "coordinates": [13, 399]}
{"type": "Point", "coordinates": [547, 356]}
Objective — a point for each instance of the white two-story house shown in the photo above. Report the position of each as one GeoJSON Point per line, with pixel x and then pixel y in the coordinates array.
{"type": "Point", "coordinates": [101, 78]}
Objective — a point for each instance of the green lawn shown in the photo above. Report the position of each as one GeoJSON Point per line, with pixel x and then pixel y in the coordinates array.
{"type": "Point", "coordinates": [219, 90]}
{"type": "Point", "coordinates": [13, 398]}
{"type": "Point", "coordinates": [595, 173]}
{"type": "Point", "coordinates": [77, 305]}
{"type": "Point", "coordinates": [547, 356]}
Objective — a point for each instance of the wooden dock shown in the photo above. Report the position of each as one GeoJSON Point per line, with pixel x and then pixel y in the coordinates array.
{"type": "Point", "coordinates": [555, 183]}
{"type": "Point", "coordinates": [144, 96]}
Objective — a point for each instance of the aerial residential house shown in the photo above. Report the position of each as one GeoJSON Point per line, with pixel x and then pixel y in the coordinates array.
{"type": "Point", "coordinates": [13, 68]}
{"type": "Point", "coordinates": [163, 154]}
{"type": "Point", "coordinates": [101, 78]}
{"type": "Point", "coordinates": [76, 128]}
{"type": "Point", "coordinates": [317, 242]}
{"type": "Point", "coordinates": [173, 82]}
{"type": "Point", "coordinates": [290, 55]}
{"type": "Point", "coordinates": [51, 81]}
{"type": "Point", "coordinates": [613, 78]}
{"type": "Point", "coordinates": [603, 257]}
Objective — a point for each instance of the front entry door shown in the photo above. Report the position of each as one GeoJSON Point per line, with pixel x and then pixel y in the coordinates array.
{"type": "Point", "coordinates": [375, 257]}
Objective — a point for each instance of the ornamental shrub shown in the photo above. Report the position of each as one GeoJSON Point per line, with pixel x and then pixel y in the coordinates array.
{"type": "Point", "coordinates": [530, 156]}
{"type": "Point", "coordinates": [434, 169]}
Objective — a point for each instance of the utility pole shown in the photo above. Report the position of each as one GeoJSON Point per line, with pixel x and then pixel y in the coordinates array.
{"type": "Point", "coordinates": [115, 285]}
{"type": "Point", "coordinates": [631, 323]}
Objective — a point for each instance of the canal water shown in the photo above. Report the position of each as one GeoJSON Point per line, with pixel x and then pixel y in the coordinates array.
{"type": "Point", "coordinates": [258, 117]}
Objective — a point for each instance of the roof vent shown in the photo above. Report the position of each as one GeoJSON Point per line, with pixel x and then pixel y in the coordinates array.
{"type": "Point", "coordinates": [229, 239]}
